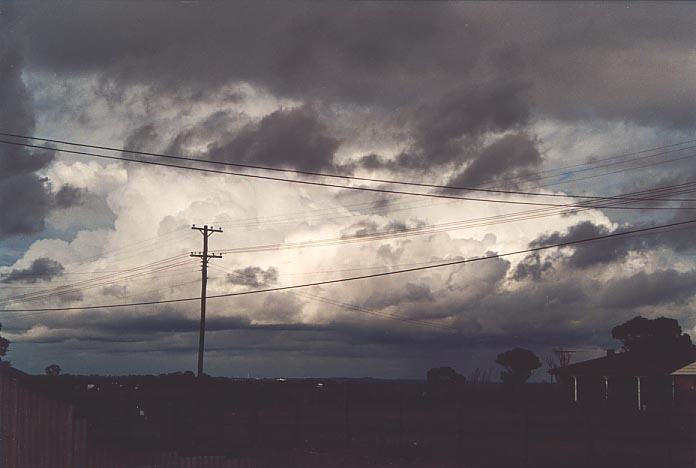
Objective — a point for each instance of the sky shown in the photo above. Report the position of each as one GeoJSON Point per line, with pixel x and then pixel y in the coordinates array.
{"type": "Point", "coordinates": [480, 95]}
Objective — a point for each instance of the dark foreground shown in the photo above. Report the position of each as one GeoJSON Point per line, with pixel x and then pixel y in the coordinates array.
{"type": "Point", "coordinates": [312, 423]}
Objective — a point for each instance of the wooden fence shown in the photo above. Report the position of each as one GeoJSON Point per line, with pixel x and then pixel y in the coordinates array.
{"type": "Point", "coordinates": [38, 431]}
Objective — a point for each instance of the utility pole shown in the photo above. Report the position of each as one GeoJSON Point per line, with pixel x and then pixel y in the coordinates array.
{"type": "Point", "coordinates": [204, 256]}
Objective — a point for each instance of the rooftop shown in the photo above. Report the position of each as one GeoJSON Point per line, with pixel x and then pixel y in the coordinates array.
{"type": "Point", "coordinates": [631, 364]}
{"type": "Point", "coordinates": [689, 369]}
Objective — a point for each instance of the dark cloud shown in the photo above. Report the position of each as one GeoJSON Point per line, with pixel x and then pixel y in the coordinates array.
{"type": "Point", "coordinates": [41, 269]}
{"type": "Point", "coordinates": [368, 227]}
{"type": "Point", "coordinates": [165, 322]}
{"type": "Point", "coordinates": [452, 126]}
{"type": "Point", "coordinates": [284, 138]}
{"type": "Point", "coordinates": [17, 111]}
{"type": "Point", "coordinates": [532, 266]}
{"type": "Point", "coordinates": [128, 327]}
{"type": "Point", "coordinates": [25, 198]}
{"type": "Point", "coordinates": [567, 313]}
{"type": "Point", "coordinates": [297, 49]}
{"type": "Point", "coordinates": [591, 253]}
{"type": "Point", "coordinates": [25, 201]}
{"type": "Point", "coordinates": [284, 307]}
{"type": "Point", "coordinates": [205, 133]}
{"type": "Point", "coordinates": [115, 290]}
{"type": "Point", "coordinates": [514, 155]}
{"type": "Point", "coordinates": [293, 138]}
{"type": "Point", "coordinates": [604, 252]}
{"type": "Point", "coordinates": [67, 297]}
{"type": "Point", "coordinates": [68, 196]}
{"type": "Point", "coordinates": [78, 209]}
{"type": "Point", "coordinates": [411, 293]}
{"type": "Point", "coordinates": [253, 276]}
{"type": "Point", "coordinates": [679, 239]}
{"type": "Point", "coordinates": [448, 73]}
{"type": "Point", "coordinates": [450, 130]}
{"type": "Point", "coordinates": [390, 254]}
{"type": "Point", "coordinates": [581, 60]}
{"type": "Point", "coordinates": [649, 289]}
{"type": "Point", "coordinates": [143, 138]}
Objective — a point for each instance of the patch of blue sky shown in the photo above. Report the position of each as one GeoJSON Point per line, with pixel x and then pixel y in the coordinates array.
{"type": "Point", "coordinates": [13, 248]}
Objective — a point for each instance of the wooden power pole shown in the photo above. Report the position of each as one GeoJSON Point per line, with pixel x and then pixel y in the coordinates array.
{"type": "Point", "coordinates": [204, 256]}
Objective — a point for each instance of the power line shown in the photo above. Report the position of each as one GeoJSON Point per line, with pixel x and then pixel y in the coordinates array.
{"type": "Point", "coordinates": [104, 280]}
{"type": "Point", "coordinates": [406, 232]}
{"type": "Point", "coordinates": [130, 250]}
{"type": "Point", "coordinates": [375, 313]}
{"type": "Point", "coordinates": [279, 219]}
{"type": "Point", "coordinates": [373, 275]}
{"type": "Point", "coordinates": [618, 171]}
{"type": "Point", "coordinates": [60, 292]}
{"type": "Point", "coordinates": [364, 189]}
{"type": "Point", "coordinates": [352, 307]}
{"type": "Point", "coordinates": [343, 176]}
{"type": "Point", "coordinates": [3, 283]}
{"type": "Point", "coordinates": [418, 230]}
{"type": "Point", "coordinates": [430, 229]}
{"type": "Point", "coordinates": [594, 165]}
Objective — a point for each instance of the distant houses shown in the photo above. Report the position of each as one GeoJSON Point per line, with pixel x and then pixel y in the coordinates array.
{"type": "Point", "coordinates": [638, 380]}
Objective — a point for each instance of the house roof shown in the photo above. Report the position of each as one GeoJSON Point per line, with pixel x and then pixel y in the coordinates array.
{"type": "Point", "coordinates": [689, 369]}
{"type": "Point", "coordinates": [630, 364]}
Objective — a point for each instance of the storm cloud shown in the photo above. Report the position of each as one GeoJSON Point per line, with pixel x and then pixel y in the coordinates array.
{"type": "Point", "coordinates": [514, 155]}
{"type": "Point", "coordinates": [317, 50]}
{"type": "Point", "coordinates": [291, 138]}
{"type": "Point", "coordinates": [589, 254]}
{"type": "Point", "coordinates": [25, 197]}
{"type": "Point", "coordinates": [650, 289]}
{"type": "Point", "coordinates": [41, 269]}
{"type": "Point", "coordinates": [253, 276]}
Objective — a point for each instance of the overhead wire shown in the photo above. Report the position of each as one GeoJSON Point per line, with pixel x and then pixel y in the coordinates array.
{"type": "Point", "coordinates": [315, 173]}
{"type": "Point", "coordinates": [412, 231]}
{"type": "Point", "coordinates": [131, 250]}
{"type": "Point", "coordinates": [597, 164]}
{"type": "Point", "coordinates": [385, 315]}
{"type": "Point", "coordinates": [656, 228]}
{"type": "Point", "coordinates": [618, 171]}
{"type": "Point", "coordinates": [159, 265]}
{"type": "Point", "coordinates": [63, 291]}
{"type": "Point", "coordinates": [622, 199]}
{"type": "Point", "coordinates": [358, 188]}
{"type": "Point", "coordinates": [352, 307]}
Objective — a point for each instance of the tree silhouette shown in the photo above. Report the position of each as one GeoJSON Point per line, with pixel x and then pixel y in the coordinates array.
{"type": "Point", "coordinates": [658, 335]}
{"type": "Point", "coordinates": [53, 370]}
{"type": "Point", "coordinates": [4, 345]}
{"type": "Point", "coordinates": [519, 363]}
{"type": "Point", "coordinates": [440, 375]}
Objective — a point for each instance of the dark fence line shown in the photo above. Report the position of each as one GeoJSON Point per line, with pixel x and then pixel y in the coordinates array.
{"type": "Point", "coordinates": [38, 431]}
{"type": "Point", "coordinates": [598, 436]}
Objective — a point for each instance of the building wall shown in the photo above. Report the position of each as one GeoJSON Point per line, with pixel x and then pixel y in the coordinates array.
{"type": "Point", "coordinates": [685, 390]}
